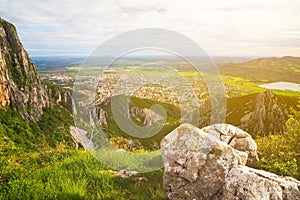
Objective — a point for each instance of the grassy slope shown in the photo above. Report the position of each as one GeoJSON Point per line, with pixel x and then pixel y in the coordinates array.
{"type": "Point", "coordinates": [265, 69]}
{"type": "Point", "coordinates": [62, 173]}
{"type": "Point", "coordinates": [39, 163]}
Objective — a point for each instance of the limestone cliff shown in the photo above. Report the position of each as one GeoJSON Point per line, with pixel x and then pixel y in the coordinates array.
{"type": "Point", "coordinates": [60, 96]}
{"type": "Point", "coordinates": [269, 114]}
{"type": "Point", "coordinates": [264, 112]}
{"type": "Point", "coordinates": [21, 87]}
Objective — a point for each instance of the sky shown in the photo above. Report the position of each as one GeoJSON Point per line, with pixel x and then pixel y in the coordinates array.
{"type": "Point", "coordinates": [231, 28]}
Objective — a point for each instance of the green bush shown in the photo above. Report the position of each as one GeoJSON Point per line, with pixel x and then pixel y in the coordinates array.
{"type": "Point", "coordinates": [280, 153]}
{"type": "Point", "coordinates": [51, 129]}
{"type": "Point", "coordinates": [55, 125]}
{"type": "Point", "coordinates": [17, 129]}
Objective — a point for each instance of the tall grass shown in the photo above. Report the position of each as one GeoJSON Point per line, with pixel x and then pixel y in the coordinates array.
{"type": "Point", "coordinates": [57, 173]}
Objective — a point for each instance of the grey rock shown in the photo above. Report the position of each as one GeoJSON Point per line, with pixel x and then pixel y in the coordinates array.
{"type": "Point", "coordinates": [247, 183]}
{"type": "Point", "coordinates": [21, 86]}
{"type": "Point", "coordinates": [268, 113]}
{"type": "Point", "coordinates": [237, 139]}
{"type": "Point", "coordinates": [125, 173]}
{"type": "Point", "coordinates": [198, 165]}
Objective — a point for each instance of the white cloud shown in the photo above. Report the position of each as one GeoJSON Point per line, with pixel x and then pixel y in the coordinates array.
{"type": "Point", "coordinates": [231, 27]}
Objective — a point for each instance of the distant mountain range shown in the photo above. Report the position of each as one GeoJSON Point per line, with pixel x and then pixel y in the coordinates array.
{"type": "Point", "coordinates": [265, 69]}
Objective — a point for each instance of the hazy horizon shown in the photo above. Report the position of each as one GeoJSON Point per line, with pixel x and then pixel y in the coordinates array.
{"type": "Point", "coordinates": [222, 28]}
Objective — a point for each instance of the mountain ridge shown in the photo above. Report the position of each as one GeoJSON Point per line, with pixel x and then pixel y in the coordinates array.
{"type": "Point", "coordinates": [259, 112]}
{"type": "Point", "coordinates": [21, 86]}
{"type": "Point", "coordinates": [273, 69]}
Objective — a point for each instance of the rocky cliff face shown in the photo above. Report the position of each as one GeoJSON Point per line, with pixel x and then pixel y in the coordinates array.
{"type": "Point", "coordinates": [142, 116]}
{"type": "Point", "coordinates": [21, 86]}
{"type": "Point", "coordinates": [269, 114]}
{"type": "Point", "coordinates": [60, 96]}
{"type": "Point", "coordinates": [265, 112]}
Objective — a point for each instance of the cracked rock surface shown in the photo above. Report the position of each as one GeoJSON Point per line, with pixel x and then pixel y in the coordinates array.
{"type": "Point", "coordinates": [209, 163]}
{"type": "Point", "coordinates": [237, 139]}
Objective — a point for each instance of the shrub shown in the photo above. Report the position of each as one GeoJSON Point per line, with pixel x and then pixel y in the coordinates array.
{"type": "Point", "coordinates": [280, 153]}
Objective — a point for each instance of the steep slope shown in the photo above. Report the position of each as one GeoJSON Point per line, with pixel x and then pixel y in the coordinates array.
{"type": "Point", "coordinates": [31, 113]}
{"type": "Point", "coordinates": [141, 114]}
{"type": "Point", "coordinates": [264, 112]}
{"type": "Point", "coordinates": [21, 86]}
{"type": "Point", "coordinates": [270, 69]}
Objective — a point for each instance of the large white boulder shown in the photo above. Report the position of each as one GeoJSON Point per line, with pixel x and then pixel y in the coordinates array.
{"type": "Point", "coordinates": [198, 165]}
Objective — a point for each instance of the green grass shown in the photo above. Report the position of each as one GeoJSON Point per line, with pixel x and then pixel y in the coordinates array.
{"type": "Point", "coordinates": [137, 161]}
{"type": "Point", "coordinates": [241, 86]}
{"type": "Point", "coordinates": [189, 74]}
{"type": "Point", "coordinates": [74, 68]}
{"type": "Point", "coordinates": [39, 162]}
{"type": "Point", "coordinates": [63, 173]}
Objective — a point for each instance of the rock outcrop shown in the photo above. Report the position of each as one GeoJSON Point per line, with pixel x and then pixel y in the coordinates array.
{"type": "Point", "coordinates": [142, 116]}
{"type": "Point", "coordinates": [268, 114]}
{"type": "Point", "coordinates": [198, 165]}
{"type": "Point", "coordinates": [21, 86]}
{"type": "Point", "coordinates": [248, 183]}
{"type": "Point", "coordinates": [237, 139]}
{"type": "Point", "coordinates": [257, 113]}
{"type": "Point", "coordinates": [60, 96]}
